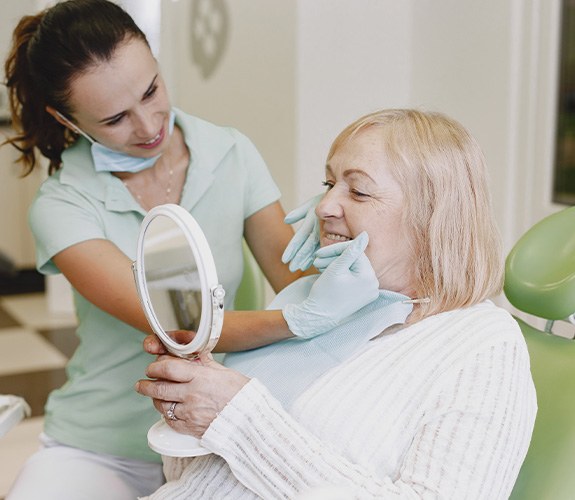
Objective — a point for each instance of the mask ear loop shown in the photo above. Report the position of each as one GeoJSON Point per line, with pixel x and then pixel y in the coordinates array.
{"type": "Point", "coordinates": [424, 300]}
{"type": "Point", "coordinates": [74, 127]}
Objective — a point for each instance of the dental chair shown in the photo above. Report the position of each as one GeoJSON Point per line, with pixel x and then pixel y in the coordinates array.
{"type": "Point", "coordinates": [251, 292]}
{"type": "Point", "coordinates": [540, 281]}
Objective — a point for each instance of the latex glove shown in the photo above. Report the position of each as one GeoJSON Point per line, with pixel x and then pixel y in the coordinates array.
{"type": "Point", "coordinates": [326, 255]}
{"type": "Point", "coordinates": [302, 247]}
{"type": "Point", "coordinates": [347, 284]}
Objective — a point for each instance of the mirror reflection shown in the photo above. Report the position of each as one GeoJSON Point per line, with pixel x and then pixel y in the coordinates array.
{"type": "Point", "coordinates": [172, 279]}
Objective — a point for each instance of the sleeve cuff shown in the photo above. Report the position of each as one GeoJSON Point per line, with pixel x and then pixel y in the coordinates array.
{"type": "Point", "coordinates": [230, 430]}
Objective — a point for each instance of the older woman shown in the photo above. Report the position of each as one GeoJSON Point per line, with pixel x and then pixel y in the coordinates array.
{"type": "Point", "coordinates": [431, 396]}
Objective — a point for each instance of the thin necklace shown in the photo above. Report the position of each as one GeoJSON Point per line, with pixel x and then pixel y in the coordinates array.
{"type": "Point", "coordinates": [168, 187]}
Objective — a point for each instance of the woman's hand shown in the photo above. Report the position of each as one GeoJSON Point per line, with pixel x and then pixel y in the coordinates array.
{"type": "Point", "coordinates": [200, 387]}
{"type": "Point", "coordinates": [300, 251]}
{"type": "Point", "coordinates": [153, 345]}
{"type": "Point", "coordinates": [347, 284]}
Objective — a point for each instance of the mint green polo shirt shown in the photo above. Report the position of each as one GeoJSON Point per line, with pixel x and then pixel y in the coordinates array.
{"type": "Point", "coordinates": [97, 409]}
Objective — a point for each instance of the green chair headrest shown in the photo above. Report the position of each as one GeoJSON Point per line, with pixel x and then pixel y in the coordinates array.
{"type": "Point", "coordinates": [540, 269]}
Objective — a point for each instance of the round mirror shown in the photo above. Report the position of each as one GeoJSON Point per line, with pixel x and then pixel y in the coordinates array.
{"type": "Point", "coordinates": [177, 281]}
{"type": "Point", "coordinates": [183, 302]}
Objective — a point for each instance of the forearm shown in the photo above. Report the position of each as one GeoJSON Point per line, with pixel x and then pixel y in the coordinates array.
{"type": "Point", "coordinates": [102, 274]}
{"type": "Point", "coordinates": [243, 330]}
{"type": "Point", "coordinates": [295, 459]}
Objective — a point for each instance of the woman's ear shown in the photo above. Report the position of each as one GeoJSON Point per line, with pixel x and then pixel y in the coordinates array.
{"type": "Point", "coordinates": [60, 118]}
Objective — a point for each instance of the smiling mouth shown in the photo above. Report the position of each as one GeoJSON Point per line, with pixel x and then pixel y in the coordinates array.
{"type": "Point", "coordinates": [336, 237]}
{"type": "Point", "coordinates": [154, 141]}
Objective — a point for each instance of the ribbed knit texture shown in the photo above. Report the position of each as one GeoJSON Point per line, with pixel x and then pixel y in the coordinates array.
{"type": "Point", "coordinates": [441, 409]}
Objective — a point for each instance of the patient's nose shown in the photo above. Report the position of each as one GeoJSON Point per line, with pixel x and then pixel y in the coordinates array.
{"type": "Point", "coordinates": [329, 206]}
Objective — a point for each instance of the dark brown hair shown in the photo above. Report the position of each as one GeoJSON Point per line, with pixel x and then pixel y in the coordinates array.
{"type": "Point", "coordinates": [48, 51]}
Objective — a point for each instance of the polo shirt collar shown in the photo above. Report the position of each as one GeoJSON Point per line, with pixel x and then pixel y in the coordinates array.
{"type": "Point", "coordinates": [208, 145]}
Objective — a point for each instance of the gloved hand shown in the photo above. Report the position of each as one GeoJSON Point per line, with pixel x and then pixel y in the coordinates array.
{"type": "Point", "coordinates": [302, 247]}
{"type": "Point", "coordinates": [346, 285]}
{"type": "Point", "coordinates": [326, 255]}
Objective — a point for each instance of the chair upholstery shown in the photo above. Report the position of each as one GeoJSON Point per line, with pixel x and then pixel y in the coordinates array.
{"type": "Point", "coordinates": [251, 292]}
{"type": "Point", "coordinates": [540, 280]}
{"type": "Point", "coordinates": [540, 269]}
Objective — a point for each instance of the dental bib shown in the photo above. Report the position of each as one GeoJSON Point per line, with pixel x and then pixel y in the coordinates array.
{"type": "Point", "coordinates": [289, 367]}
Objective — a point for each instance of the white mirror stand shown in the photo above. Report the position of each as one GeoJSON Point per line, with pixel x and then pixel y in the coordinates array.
{"type": "Point", "coordinates": [178, 286]}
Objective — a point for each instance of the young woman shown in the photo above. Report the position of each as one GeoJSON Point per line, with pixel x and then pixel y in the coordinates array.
{"type": "Point", "coordinates": [87, 93]}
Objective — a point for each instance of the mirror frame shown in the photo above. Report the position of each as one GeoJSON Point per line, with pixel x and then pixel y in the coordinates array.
{"type": "Point", "coordinates": [212, 315]}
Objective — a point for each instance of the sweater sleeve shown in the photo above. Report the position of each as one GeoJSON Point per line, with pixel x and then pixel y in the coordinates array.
{"type": "Point", "coordinates": [470, 442]}
{"type": "Point", "coordinates": [474, 437]}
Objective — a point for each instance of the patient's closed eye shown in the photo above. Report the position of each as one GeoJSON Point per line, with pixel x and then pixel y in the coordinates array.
{"type": "Point", "coordinates": [358, 194]}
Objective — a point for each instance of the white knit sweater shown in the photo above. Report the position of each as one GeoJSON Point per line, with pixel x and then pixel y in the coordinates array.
{"type": "Point", "coordinates": [441, 409]}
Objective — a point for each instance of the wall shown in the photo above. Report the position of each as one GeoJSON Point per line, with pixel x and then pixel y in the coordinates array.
{"type": "Point", "coordinates": [294, 73]}
{"type": "Point", "coordinates": [253, 88]}
{"type": "Point", "coordinates": [352, 58]}
{"type": "Point", "coordinates": [15, 193]}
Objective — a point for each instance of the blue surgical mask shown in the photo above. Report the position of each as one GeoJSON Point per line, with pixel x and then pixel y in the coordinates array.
{"type": "Point", "coordinates": [108, 160]}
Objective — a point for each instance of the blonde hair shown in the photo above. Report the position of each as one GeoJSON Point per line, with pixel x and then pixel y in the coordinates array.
{"type": "Point", "coordinates": [455, 243]}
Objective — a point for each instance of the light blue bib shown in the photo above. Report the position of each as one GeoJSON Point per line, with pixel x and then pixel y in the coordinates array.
{"type": "Point", "coordinates": [289, 367]}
